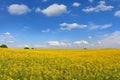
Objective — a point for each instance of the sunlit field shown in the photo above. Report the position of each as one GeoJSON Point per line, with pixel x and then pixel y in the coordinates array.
{"type": "Point", "coordinates": [57, 64]}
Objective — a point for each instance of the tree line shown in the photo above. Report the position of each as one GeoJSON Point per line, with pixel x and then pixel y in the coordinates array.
{"type": "Point", "coordinates": [5, 46]}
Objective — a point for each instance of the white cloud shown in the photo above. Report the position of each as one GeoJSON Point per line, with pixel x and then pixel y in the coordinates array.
{"type": "Point", "coordinates": [18, 9]}
{"type": "Point", "coordinates": [76, 4]}
{"type": "Point", "coordinates": [47, 30]}
{"type": "Point", "coordinates": [7, 33]}
{"type": "Point", "coordinates": [106, 26]}
{"type": "Point", "coordinates": [56, 43]}
{"type": "Point", "coordinates": [80, 42]}
{"type": "Point", "coordinates": [55, 10]}
{"type": "Point", "coordinates": [94, 26]}
{"type": "Point", "coordinates": [90, 1]}
{"type": "Point", "coordinates": [66, 26]}
{"type": "Point", "coordinates": [89, 9]}
{"type": "Point", "coordinates": [53, 43]}
{"type": "Point", "coordinates": [101, 7]}
{"type": "Point", "coordinates": [26, 45]}
{"type": "Point", "coordinates": [6, 38]}
{"type": "Point", "coordinates": [112, 40]}
{"type": "Point", "coordinates": [117, 13]}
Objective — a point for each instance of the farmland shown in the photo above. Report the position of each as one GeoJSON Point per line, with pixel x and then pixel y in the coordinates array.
{"type": "Point", "coordinates": [60, 64]}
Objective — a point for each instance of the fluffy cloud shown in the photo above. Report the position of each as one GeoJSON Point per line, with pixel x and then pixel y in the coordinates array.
{"type": "Point", "coordinates": [66, 26]}
{"type": "Point", "coordinates": [18, 9]}
{"type": "Point", "coordinates": [62, 44]}
{"type": "Point", "coordinates": [76, 4]}
{"type": "Point", "coordinates": [7, 33]}
{"type": "Point", "coordinates": [6, 38]}
{"type": "Point", "coordinates": [53, 43]}
{"type": "Point", "coordinates": [54, 10]}
{"type": "Point", "coordinates": [80, 42]}
{"type": "Point", "coordinates": [111, 40]}
{"type": "Point", "coordinates": [117, 13]}
{"type": "Point", "coordinates": [94, 26]}
{"type": "Point", "coordinates": [74, 44]}
{"type": "Point", "coordinates": [26, 45]}
{"type": "Point", "coordinates": [106, 26]}
{"type": "Point", "coordinates": [100, 7]}
{"type": "Point", "coordinates": [56, 43]}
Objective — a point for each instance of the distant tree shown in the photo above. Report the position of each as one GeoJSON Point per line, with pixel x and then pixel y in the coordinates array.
{"type": "Point", "coordinates": [85, 48]}
{"type": "Point", "coordinates": [32, 48]}
{"type": "Point", "coordinates": [3, 46]}
{"type": "Point", "coordinates": [26, 48]}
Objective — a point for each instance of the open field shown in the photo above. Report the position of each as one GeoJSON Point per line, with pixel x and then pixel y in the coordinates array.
{"type": "Point", "coordinates": [48, 64]}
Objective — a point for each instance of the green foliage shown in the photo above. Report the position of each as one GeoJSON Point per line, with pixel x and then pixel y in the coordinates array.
{"type": "Point", "coordinates": [3, 46]}
{"type": "Point", "coordinates": [26, 48]}
{"type": "Point", "coordinates": [32, 48]}
{"type": "Point", "coordinates": [85, 48]}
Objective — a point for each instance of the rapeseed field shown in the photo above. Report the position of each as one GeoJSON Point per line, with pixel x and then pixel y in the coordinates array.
{"type": "Point", "coordinates": [59, 64]}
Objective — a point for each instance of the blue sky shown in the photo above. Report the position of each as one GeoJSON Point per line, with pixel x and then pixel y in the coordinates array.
{"type": "Point", "coordinates": [60, 23]}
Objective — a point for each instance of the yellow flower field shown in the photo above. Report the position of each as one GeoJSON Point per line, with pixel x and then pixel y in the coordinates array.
{"type": "Point", "coordinates": [59, 64]}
